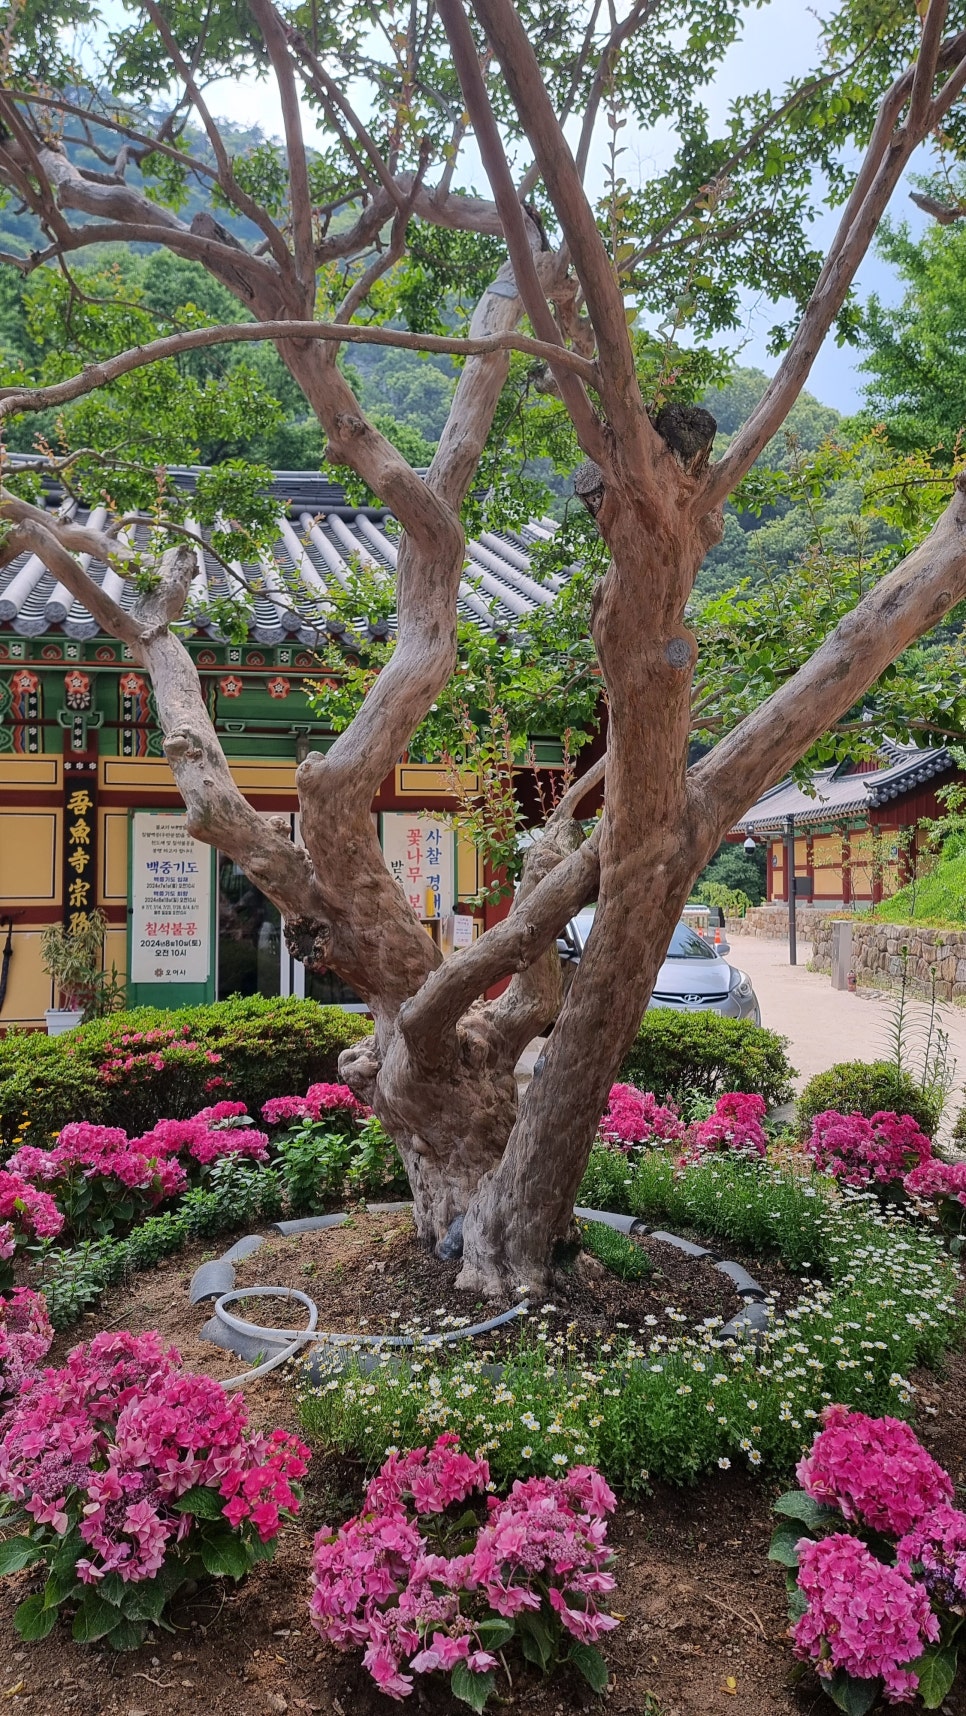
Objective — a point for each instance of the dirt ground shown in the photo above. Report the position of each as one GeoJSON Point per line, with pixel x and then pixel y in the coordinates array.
{"type": "Point", "coordinates": [705, 1618]}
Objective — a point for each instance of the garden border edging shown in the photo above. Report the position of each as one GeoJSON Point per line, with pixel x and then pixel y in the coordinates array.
{"type": "Point", "coordinates": [263, 1345]}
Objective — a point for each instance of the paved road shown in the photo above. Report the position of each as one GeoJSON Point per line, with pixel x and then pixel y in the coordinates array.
{"type": "Point", "coordinates": [823, 1024]}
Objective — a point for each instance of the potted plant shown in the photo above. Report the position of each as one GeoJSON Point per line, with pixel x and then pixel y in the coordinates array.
{"type": "Point", "coordinates": [73, 958]}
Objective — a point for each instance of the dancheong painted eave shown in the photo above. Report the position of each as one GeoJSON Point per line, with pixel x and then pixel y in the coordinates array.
{"type": "Point", "coordinates": [838, 795]}
{"type": "Point", "coordinates": [319, 538]}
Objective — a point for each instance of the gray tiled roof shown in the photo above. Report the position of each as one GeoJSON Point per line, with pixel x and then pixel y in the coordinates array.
{"type": "Point", "coordinates": [838, 795]}
{"type": "Point", "coordinates": [319, 536]}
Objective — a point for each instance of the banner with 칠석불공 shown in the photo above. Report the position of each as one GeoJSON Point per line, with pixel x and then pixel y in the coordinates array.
{"type": "Point", "coordinates": [170, 901]}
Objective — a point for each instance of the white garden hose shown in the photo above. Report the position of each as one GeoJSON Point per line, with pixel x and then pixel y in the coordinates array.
{"type": "Point", "coordinates": [312, 1335]}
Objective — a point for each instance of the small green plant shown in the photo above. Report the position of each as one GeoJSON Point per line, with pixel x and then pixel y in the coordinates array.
{"type": "Point", "coordinates": [318, 1164]}
{"type": "Point", "coordinates": [616, 1251]}
{"type": "Point", "coordinates": [867, 1087]}
{"type": "Point", "coordinates": [682, 1055]}
{"type": "Point", "coordinates": [74, 959]}
{"type": "Point", "coordinates": [929, 1061]}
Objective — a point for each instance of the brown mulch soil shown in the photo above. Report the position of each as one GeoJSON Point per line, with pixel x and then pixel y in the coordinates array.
{"type": "Point", "coordinates": [372, 1275]}
{"type": "Point", "coordinates": [705, 1619]}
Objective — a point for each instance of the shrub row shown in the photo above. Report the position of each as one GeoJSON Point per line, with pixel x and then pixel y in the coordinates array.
{"type": "Point", "coordinates": [130, 1068]}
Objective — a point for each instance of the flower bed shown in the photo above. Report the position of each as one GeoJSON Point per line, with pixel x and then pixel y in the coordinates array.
{"type": "Point", "coordinates": [878, 1298]}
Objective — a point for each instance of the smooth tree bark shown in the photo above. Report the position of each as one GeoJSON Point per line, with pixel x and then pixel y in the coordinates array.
{"type": "Point", "coordinates": [439, 1067]}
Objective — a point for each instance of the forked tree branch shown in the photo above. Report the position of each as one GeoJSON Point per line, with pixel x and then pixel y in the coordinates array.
{"type": "Point", "coordinates": [101, 374]}
{"type": "Point", "coordinates": [497, 169]}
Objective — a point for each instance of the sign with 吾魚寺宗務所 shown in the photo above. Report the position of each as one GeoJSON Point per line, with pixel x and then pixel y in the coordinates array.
{"type": "Point", "coordinates": [170, 901]}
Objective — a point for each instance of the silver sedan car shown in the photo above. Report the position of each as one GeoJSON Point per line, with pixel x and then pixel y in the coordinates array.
{"type": "Point", "coordinates": [695, 976]}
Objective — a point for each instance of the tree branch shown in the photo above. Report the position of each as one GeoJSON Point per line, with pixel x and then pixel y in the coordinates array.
{"type": "Point", "coordinates": [885, 160]}
{"type": "Point", "coordinates": [620, 394]}
{"type": "Point", "coordinates": [45, 543]}
{"type": "Point", "coordinates": [95, 375]}
{"type": "Point", "coordinates": [463, 48]}
{"type": "Point", "coordinates": [226, 174]}
{"type": "Point", "coordinates": [640, 12]}
{"type": "Point", "coordinates": [904, 605]}
{"type": "Point", "coordinates": [300, 193]}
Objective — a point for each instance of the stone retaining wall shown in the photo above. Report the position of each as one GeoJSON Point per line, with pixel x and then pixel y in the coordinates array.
{"type": "Point", "coordinates": [771, 922]}
{"type": "Point", "coordinates": [877, 955]}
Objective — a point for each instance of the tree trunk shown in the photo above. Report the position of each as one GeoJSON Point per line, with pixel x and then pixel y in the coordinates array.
{"type": "Point", "coordinates": [649, 858]}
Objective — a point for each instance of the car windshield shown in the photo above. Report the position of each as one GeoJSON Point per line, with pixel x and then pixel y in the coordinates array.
{"type": "Point", "coordinates": [686, 944]}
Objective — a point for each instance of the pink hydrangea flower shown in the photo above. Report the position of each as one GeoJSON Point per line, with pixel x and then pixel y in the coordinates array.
{"type": "Point", "coordinates": [108, 1444]}
{"type": "Point", "coordinates": [635, 1117]}
{"type": "Point", "coordinates": [318, 1101]}
{"type": "Point", "coordinates": [103, 1153]}
{"type": "Point", "coordinates": [378, 1586]}
{"type": "Point", "coordinates": [874, 1470]}
{"type": "Point", "coordinates": [32, 1214]}
{"type": "Point", "coordinates": [937, 1180]}
{"type": "Point", "coordinates": [735, 1123]}
{"type": "Point", "coordinates": [867, 1619]}
{"type": "Point", "coordinates": [861, 1152]}
{"type": "Point", "coordinates": [25, 1337]}
{"type": "Point", "coordinates": [207, 1136]}
{"type": "Point", "coordinates": [936, 1553]}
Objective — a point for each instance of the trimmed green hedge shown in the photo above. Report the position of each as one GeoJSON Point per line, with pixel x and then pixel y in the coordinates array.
{"type": "Point", "coordinates": [677, 1054]}
{"type": "Point", "coordinates": [866, 1087]}
{"type": "Point", "coordinates": [132, 1068]}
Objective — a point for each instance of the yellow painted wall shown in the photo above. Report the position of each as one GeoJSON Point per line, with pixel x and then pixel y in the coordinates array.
{"type": "Point", "coordinates": [112, 883]}
{"type": "Point", "coordinates": [28, 986]}
{"type": "Point", "coordinates": [38, 771]}
{"type": "Point", "coordinates": [29, 858]}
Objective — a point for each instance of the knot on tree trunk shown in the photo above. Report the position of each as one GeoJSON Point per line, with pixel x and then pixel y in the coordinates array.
{"type": "Point", "coordinates": [689, 431]}
{"type": "Point", "coordinates": [359, 1067]}
{"type": "Point", "coordinates": [183, 747]}
{"type": "Point", "coordinates": [309, 940]}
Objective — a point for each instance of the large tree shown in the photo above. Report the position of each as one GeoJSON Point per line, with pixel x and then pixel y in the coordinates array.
{"type": "Point", "coordinates": [315, 242]}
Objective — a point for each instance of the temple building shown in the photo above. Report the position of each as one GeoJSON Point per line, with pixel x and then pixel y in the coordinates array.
{"type": "Point", "coordinates": [89, 812]}
{"type": "Point", "coordinates": [856, 833]}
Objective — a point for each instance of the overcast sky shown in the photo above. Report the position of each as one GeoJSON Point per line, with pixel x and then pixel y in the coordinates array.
{"type": "Point", "coordinates": [777, 43]}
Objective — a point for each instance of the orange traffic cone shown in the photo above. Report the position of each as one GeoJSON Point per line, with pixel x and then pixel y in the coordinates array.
{"type": "Point", "coordinates": [717, 936]}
